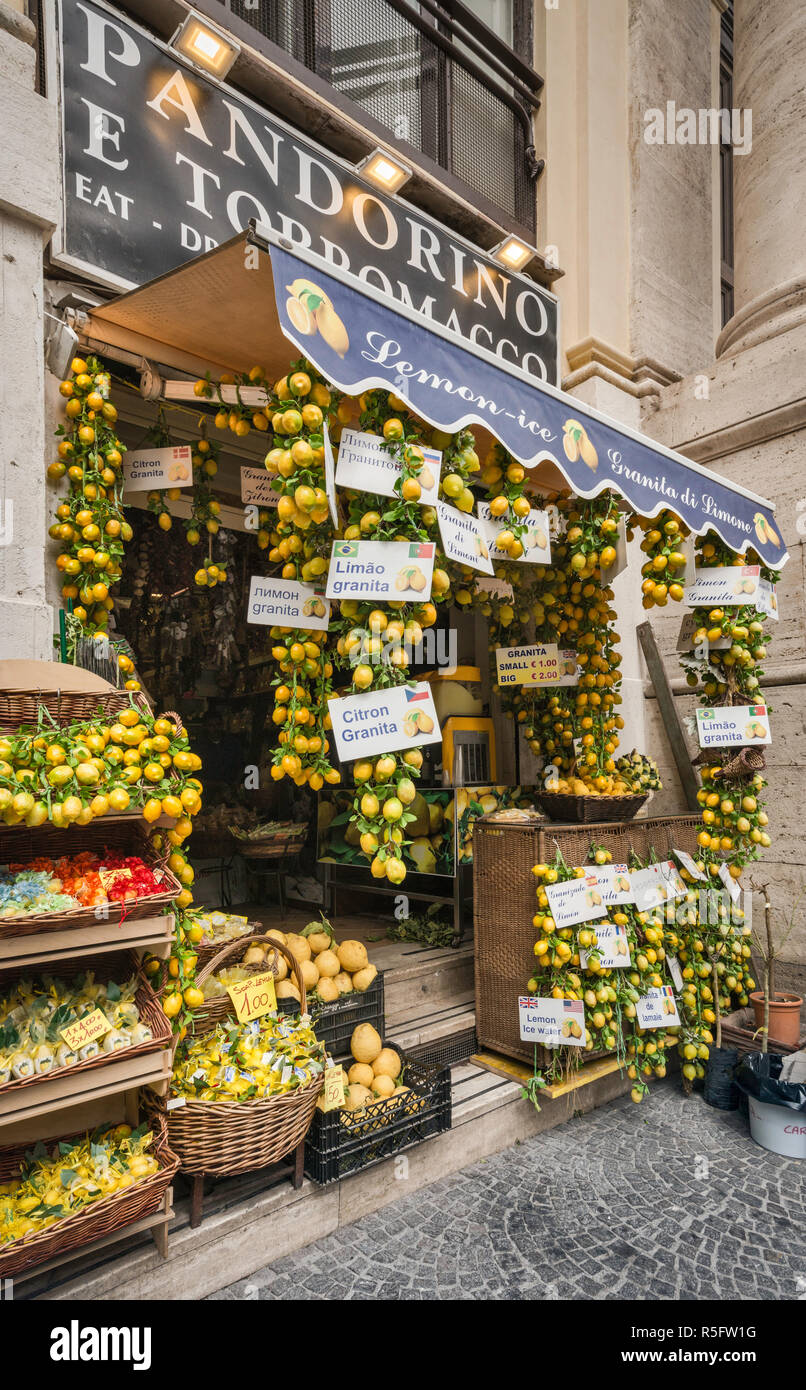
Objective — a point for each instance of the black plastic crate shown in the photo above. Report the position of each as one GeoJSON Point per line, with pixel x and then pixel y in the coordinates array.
{"type": "Point", "coordinates": [335, 1150]}
{"type": "Point", "coordinates": [446, 1052]}
{"type": "Point", "coordinates": [334, 1023]}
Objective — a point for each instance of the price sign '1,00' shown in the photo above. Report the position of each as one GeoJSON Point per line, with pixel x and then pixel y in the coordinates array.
{"type": "Point", "coordinates": [253, 998]}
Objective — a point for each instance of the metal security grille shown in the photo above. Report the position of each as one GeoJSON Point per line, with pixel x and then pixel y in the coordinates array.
{"type": "Point", "coordinates": [413, 68]}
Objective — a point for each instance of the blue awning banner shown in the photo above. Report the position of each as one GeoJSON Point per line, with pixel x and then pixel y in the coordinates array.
{"type": "Point", "coordinates": [359, 340]}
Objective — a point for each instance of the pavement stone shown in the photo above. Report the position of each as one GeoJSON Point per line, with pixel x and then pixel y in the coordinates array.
{"type": "Point", "coordinates": [672, 1201]}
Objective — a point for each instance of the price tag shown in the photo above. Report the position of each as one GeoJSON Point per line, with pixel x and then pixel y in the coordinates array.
{"type": "Point", "coordinates": [253, 998]}
{"type": "Point", "coordinates": [675, 971]}
{"type": "Point", "coordinates": [333, 1095]}
{"type": "Point", "coordinates": [175, 1103]}
{"type": "Point", "coordinates": [87, 1030]}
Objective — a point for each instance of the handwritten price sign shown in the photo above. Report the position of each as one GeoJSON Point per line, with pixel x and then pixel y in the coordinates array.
{"type": "Point", "coordinates": [87, 1030]}
{"type": "Point", "coordinates": [253, 998]}
{"type": "Point", "coordinates": [333, 1095]}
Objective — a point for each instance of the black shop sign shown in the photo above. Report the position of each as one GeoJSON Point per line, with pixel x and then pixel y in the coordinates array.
{"type": "Point", "coordinates": [162, 163]}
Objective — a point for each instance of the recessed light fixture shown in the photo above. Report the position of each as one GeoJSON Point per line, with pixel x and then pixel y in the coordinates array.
{"type": "Point", "coordinates": [206, 45]}
{"type": "Point", "coordinates": [513, 253]}
{"type": "Point", "coordinates": [385, 170]}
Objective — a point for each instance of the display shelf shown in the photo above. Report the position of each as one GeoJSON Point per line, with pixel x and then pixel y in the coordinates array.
{"type": "Point", "coordinates": [157, 1224]}
{"type": "Point", "coordinates": [68, 1088]}
{"type": "Point", "coordinates": [75, 943]}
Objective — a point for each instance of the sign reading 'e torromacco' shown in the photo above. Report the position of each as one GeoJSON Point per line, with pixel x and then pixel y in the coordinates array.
{"type": "Point", "coordinates": [161, 163]}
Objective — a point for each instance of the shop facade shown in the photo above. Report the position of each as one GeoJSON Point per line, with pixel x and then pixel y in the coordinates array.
{"type": "Point", "coordinates": [198, 228]}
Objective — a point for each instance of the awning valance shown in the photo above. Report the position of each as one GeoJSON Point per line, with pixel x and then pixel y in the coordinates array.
{"type": "Point", "coordinates": [231, 308]}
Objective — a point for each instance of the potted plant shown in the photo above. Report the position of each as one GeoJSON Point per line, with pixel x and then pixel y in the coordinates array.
{"type": "Point", "coordinates": [777, 1013]}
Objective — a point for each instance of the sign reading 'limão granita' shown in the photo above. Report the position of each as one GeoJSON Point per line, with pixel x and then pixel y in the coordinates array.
{"type": "Point", "coordinates": [732, 726]}
{"type": "Point", "coordinates": [397, 570]}
{"type": "Point", "coordinates": [382, 721]}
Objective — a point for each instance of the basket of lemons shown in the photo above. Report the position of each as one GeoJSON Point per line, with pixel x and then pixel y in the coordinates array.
{"type": "Point", "coordinates": [243, 1094]}
{"type": "Point", "coordinates": [60, 1194]}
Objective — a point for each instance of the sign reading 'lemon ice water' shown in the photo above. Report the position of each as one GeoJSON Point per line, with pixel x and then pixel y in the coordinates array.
{"type": "Point", "coordinates": [287, 603]}
{"type": "Point", "coordinates": [552, 1022]}
{"type": "Point", "coordinates": [144, 469]}
{"type": "Point", "coordinates": [578, 900]}
{"type": "Point", "coordinates": [732, 726]}
{"type": "Point", "coordinates": [539, 665]}
{"type": "Point", "coordinates": [732, 586]}
{"type": "Point", "coordinates": [397, 570]}
{"type": "Point", "coordinates": [462, 539]}
{"type": "Point", "coordinates": [535, 538]}
{"type": "Point", "coordinates": [381, 721]}
{"type": "Point", "coordinates": [365, 462]}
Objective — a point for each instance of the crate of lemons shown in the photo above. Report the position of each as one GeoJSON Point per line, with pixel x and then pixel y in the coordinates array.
{"type": "Point", "coordinates": [330, 969]}
{"type": "Point", "coordinates": [373, 1083]}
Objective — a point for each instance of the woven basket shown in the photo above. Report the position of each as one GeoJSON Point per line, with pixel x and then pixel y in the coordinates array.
{"type": "Point", "coordinates": [504, 903]}
{"type": "Point", "coordinates": [274, 846]}
{"type": "Point", "coordinates": [100, 1219]}
{"type": "Point", "coordinates": [20, 845]}
{"type": "Point", "coordinates": [64, 706]}
{"type": "Point", "coordinates": [228, 1137]}
{"type": "Point", "coordinates": [205, 950]}
{"type": "Point", "coordinates": [216, 1010]}
{"type": "Point", "coordinates": [120, 967]}
{"type": "Point", "coordinates": [562, 806]}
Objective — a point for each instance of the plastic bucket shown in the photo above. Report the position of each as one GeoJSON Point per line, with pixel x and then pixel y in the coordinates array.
{"type": "Point", "coordinates": [778, 1128]}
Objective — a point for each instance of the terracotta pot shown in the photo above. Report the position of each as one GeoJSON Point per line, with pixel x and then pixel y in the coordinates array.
{"type": "Point", "coordinates": [784, 1016]}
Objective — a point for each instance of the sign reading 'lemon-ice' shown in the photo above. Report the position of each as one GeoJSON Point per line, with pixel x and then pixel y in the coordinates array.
{"type": "Point", "coordinates": [396, 570]}
{"type": "Point", "coordinates": [381, 721]}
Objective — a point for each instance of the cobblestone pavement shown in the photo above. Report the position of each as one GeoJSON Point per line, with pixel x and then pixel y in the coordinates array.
{"type": "Point", "coordinates": [669, 1200]}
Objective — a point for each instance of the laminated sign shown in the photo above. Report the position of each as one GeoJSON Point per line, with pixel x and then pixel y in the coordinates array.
{"type": "Point", "coordinates": [256, 486]}
{"type": "Point", "coordinates": [732, 586]}
{"type": "Point", "coordinates": [614, 883]}
{"type": "Point", "coordinates": [658, 1009]}
{"type": "Point", "coordinates": [396, 570]}
{"type": "Point", "coordinates": [381, 721]}
{"type": "Point", "coordinates": [367, 464]}
{"type": "Point", "coordinates": [287, 603]}
{"type": "Point", "coordinates": [578, 900]}
{"type": "Point", "coordinates": [732, 726]}
{"type": "Point", "coordinates": [552, 1022]}
{"type": "Point", "coordinates": [658, 884]}
{"type": "Point", "coordinates": [146, 469]}
{"type": "Point", "coordinates": [612, 947]}
{"type": "Point", "coordinates": [535, 538]}
{"type": "Point", "coordinates": [462, 538]}
{"type": "Point", "coordinates": [538, 665]}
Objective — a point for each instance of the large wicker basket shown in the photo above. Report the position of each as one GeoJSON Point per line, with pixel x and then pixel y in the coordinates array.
{"type": "Point", "coordinates": [64, 706]}
{"type": "Point", "coordinates": [20, 845]}
{"type": "Point", "coordinates": [120, 966]}
{"type": "Point", "coordinates": [101, 1219]}
{"type": "Point", "coordinates": [564, 806]}
{"type": "Point", "coordinates": [504, 854]}
{"type": "Point", "coordinates": [228, 1137]}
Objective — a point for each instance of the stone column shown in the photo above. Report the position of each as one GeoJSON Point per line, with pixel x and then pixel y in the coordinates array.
{"type": "Point", "coordinates": [768, 184]}
{"type": "Point", "coordinates": [29, 203]}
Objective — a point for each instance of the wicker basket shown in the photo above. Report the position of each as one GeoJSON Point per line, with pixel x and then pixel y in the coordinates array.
{"type": "Point", "coordinates": [205, 950]}
{"type": "Point", "coordinates": [274, 846]}
{"type": "Point", "coordinates": [100, 1219]}
{"type": "Point", "coordinates": [562, 806]}
{"type": "Point", "coordinates": [120, 967]}
{"type": "Point", "coordinates": [228, 1137]}
{"type": "Point", "coordinates": [504, 904]}
{"type": "Point", "coordinates": [64, 706]}
{"type": "Point", "coordinates": [216, 1010]}
{"type": "Point", "coordinates": [21, 844]}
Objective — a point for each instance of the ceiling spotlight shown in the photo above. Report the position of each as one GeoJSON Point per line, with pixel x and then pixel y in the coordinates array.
{"type": "Point", "coordinates": [513, 253]}
{"type": "Point", "coordinates": [384, 170]}
{"type": "Point", "coordinates": [206, 46]}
